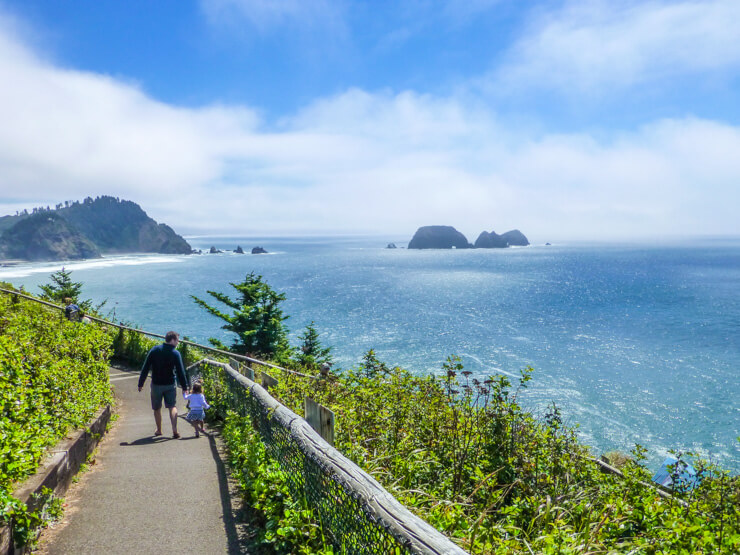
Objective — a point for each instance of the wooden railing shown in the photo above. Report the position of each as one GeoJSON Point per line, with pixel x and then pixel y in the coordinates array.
{"type": "Point", "coordinates": [361, 516]}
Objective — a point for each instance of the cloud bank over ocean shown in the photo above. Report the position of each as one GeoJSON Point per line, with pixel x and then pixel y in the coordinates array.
{"type": "Point", "coordinates": [387, 160]}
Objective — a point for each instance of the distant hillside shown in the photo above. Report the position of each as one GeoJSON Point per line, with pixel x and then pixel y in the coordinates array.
{"type": "Point", "coordinates": [84, 230]}
{"type": "Point", "coordinates": [46, 236]}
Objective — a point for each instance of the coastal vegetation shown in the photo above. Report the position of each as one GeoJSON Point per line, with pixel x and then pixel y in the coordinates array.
{"type": "Point", "coordinates": [459, 450]}
{"type": "Point", "coordinates": [464, 454]}
{"type": "Point", "coordinates": [53, 378]}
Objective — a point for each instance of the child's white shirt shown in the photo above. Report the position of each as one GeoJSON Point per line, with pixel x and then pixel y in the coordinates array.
{"type": "Point", "coordinates": [197, 401]}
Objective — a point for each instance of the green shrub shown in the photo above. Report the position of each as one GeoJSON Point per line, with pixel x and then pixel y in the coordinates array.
{"type": "Point", "coordinates": [465, 456]}
{"type": "Point", "coordinates": [53, 378]}
{"type": "Point", "coordinates": [130, 346]}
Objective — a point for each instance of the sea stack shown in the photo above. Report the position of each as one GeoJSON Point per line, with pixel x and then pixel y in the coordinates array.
{"type": "Point", "coordinates": [493, 240]}
{"type": "Point", "coordinates": [516, 238]}
{"type": "Point", "coordinates": [490, 240]}
{"type": "Point", "coordinates": [438, 237]}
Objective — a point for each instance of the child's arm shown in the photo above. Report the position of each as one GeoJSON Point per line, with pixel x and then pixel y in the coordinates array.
{"type": "Point", "coordinates": [205, 403]}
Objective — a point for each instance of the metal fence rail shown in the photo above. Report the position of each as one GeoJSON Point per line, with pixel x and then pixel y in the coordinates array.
{"type": "Point", "coordinates": [360, 516]}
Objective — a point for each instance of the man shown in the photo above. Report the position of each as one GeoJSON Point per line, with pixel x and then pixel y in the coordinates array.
{"type": "Point", "coordinates": [166, 365]}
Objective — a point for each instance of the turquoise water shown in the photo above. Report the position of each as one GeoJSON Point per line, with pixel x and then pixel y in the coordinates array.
{"type": "Point", "coordinates": [637, 344]}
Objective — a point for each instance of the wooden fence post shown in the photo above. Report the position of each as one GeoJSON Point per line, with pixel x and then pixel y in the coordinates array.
{"type": "Point", "coordinates": [268, 381]}
{"type": "Point", "coordinates": [320, 419]}
{"type": "Point", "coordinates": [248, 372]}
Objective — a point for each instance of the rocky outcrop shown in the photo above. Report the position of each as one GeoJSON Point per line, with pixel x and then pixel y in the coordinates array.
{"type": "Point", "coordinates": [109, 224]}
{"type": "Point", "coordinates": [46, 236]}
{"type": "Point", "coordinates": [493, 240]}
{"type": "Point", "coordinates": [490, 241]}
{"type": "Point", "coordinates": [516, 238]}
{"type": "Point", "coordinates": [391, 246]}
{"type": "Point", "coordinates": [447, 237]}
{"type": "Point", "coordinates": [214, 250]}
{"type": "Point", "coordinates": [258, 250]}
{"type": "Point", "coordinates": [239, 250]}
{"type": "Point", "coordinates": [438, 237]}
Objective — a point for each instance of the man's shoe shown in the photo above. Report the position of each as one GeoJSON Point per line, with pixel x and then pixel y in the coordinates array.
{"type": "Point", "coordinates": [175, 435]}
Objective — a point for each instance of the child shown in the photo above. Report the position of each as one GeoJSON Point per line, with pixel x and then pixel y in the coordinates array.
{"type": "Point", "coordinates": [197, 403]}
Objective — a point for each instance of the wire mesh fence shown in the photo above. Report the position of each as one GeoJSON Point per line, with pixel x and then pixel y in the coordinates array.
{"type": "Point", "coordinates": [359, 516]}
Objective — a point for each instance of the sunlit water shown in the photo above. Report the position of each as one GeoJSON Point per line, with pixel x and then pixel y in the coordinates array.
{"type": "Point", "coordinates": [636, 344]}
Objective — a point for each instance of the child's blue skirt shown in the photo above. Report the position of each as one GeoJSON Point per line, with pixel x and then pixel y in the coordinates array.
{"type": "Point", "coordinates": [195, 414]}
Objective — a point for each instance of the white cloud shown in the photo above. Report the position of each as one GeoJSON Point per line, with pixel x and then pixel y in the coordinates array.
{"type": "Point", "coordinates": [599, 45]}
{"type": "Point", "coordinates": [355, 162]}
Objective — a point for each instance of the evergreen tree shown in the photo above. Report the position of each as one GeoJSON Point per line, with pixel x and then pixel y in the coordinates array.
{"type": "Point", "coordinates": [311, 354]}
{"type": "Point", "coordinates": [62, 287]}
{"type": "Point", "coordinates": [256, 318]}
{"type": "Point", "coordinates": [371, 366]}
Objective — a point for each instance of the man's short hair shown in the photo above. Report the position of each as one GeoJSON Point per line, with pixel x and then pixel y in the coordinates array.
{"type": "Point", "coordinates": [170, 335]}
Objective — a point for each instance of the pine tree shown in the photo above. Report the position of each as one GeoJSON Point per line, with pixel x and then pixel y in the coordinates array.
{"type": "Point", "coordinates": [311, 354]}
{"type": "Point", "coordinates": [256, 318]}
{"type": "Point", "coordinates": [371, 366]}
{"type": "Point", "coordinates": [62, 287]}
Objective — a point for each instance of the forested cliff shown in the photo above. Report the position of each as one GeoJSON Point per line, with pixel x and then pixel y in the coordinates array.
{"type": "Point", "coordinates": [86, 229]}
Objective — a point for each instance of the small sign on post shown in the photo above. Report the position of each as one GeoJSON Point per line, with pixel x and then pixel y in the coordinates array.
{"type": "Point", "coordinates": [320, 419]}
{"type": "Point", "coordinates": [268, 381]}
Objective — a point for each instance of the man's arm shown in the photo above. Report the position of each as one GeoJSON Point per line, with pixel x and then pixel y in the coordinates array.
{"type": "Point", "coordinates": [182, 377]}
{"type": "Point", "coordinates": [145, 369]}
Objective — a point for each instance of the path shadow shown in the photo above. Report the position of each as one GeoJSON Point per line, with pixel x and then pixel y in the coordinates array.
{"type": "Point", "coordinates": [150, 440]}
{"type": "Point", "coordinates": [234, 522]}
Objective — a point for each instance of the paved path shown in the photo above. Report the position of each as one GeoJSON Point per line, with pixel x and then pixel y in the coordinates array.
{"type": "Point", "coordinates": [146, 494]}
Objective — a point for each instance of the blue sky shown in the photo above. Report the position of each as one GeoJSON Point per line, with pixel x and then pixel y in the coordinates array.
{"type": "Point", "coordinates": [565, 119]}
{"type": "Point", "coordinates": [195, 53]}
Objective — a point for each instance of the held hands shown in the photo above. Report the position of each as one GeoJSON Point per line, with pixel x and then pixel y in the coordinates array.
{"type": "Point", "coordinates": [140, 388]}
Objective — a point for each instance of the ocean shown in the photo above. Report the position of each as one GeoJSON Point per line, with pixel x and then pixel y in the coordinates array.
{"type": "Point", "coordinates": [635, 343]}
